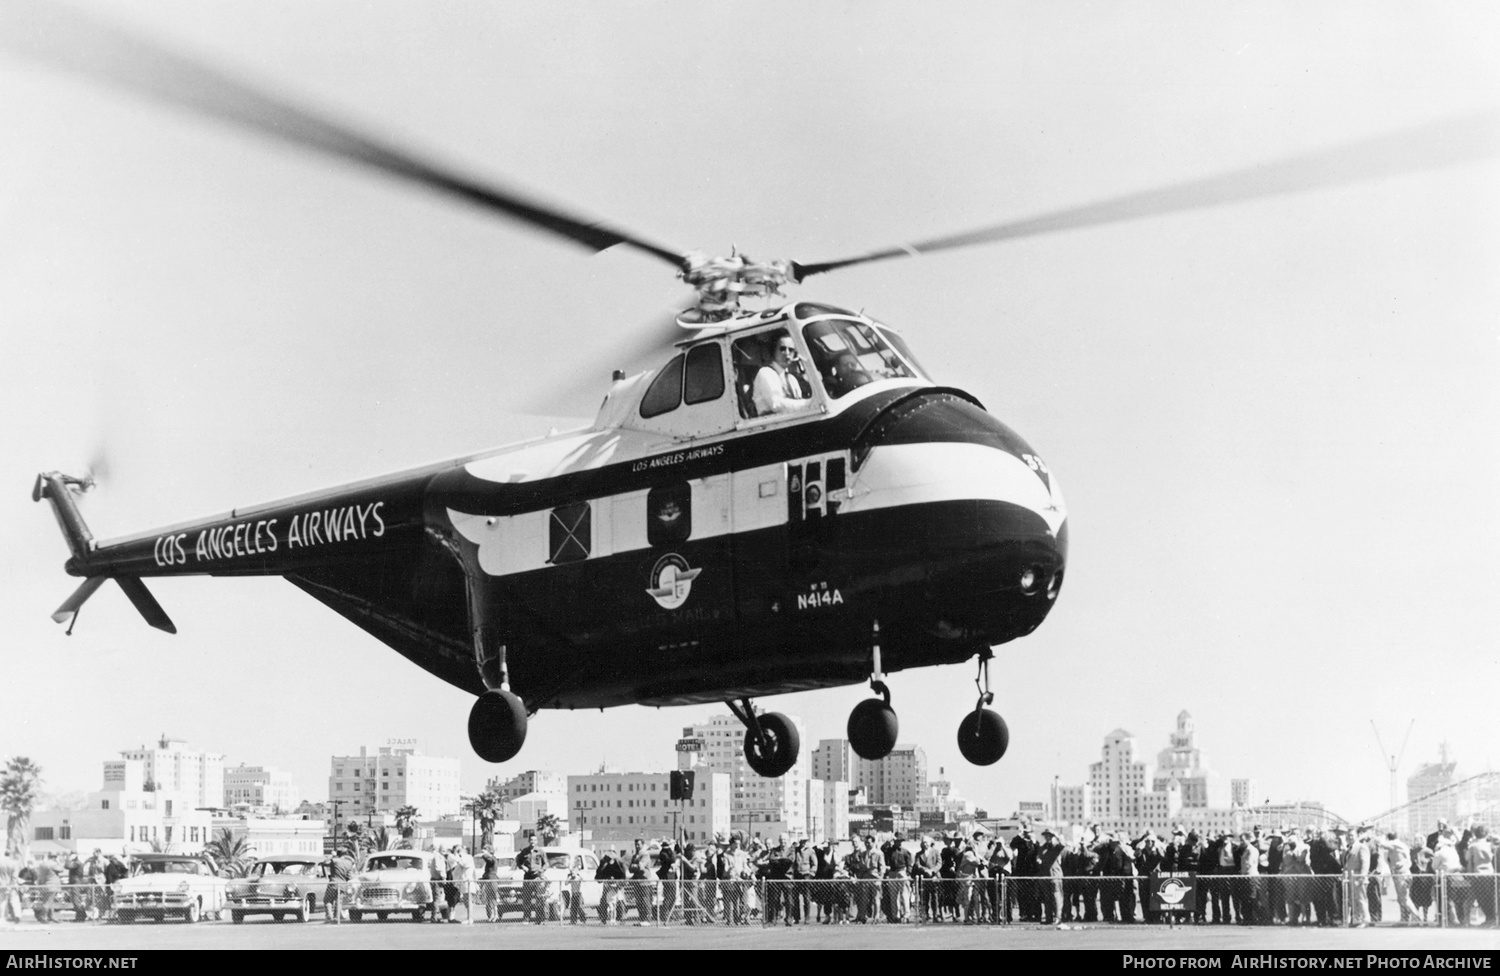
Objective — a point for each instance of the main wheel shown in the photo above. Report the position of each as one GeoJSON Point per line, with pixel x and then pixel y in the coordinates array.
{"type": "Point", "coordinates": [873, 728]}
{"type": "Point", "coordinates": [497, 726]}
{"type": "Point", "coordinates": [778, 752]}
{"type": "Point", "coordinates": [983, 737]}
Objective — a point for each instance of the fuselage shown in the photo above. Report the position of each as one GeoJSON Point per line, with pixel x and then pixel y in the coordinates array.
{"type": "Point", "coordinates": [726, 528]}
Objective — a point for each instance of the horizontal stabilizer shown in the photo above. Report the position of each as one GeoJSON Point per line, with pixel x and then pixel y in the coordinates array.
{"type": "Point", "coordinates": [145, 603]}
{"type": "Point", "coordinates": [69, 609]}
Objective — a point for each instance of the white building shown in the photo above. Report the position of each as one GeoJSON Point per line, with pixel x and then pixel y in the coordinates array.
{"type": "Point", "coordinates": [833, 759]}
{"type": "Point", "coordinates": [174, 768]}
{"type": "Point", "coordinates": [124, 817]}
{"type": "Point", "coordinates": [262, 787]}
{"type": "Point", "coordinates": [899, 779]}
{"type": "Point", "coordinates": [762, 806]}
{"type": "Point", "coordinates": [270, 837]}
{"type": "Point", "coordinates": [612, 809]}
{"type": "Point", "coordinates": [397, 775]}
{"type": "Point", "coordinates": [1183, 761]}
{"type": "Point", "coordinates": [531, 781]}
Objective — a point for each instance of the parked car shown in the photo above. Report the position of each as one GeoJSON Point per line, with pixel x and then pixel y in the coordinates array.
{"type": "Point", "coordinates": [558, 892]}
{"type": "Point", "coordinates": [284, 886]}
{"type": "Point", "coordinates": [394, 882]}
{"type": "Point", "coordinates": [162, 886]}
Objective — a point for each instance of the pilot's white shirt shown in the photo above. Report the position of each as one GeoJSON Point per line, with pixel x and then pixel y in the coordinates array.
{"type": "Point", "coordinates": [777, 391]}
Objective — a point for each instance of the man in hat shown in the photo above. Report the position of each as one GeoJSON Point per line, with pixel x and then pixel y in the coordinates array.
{"type": "Point", "coordinates": [898, 865]}
{"type": "Point", "coordinates": [338, 894]}
{"type": "Point", "coordinates": [804, 870]}
{"type": "Point", "coordinates": [1149, 856]}
{"type": "Point", "coordinates": [489, 875]}
{"type": "Point", "coordinates": [1049, 865]}
{"type": "Point", "coordinates": [1023, 849]}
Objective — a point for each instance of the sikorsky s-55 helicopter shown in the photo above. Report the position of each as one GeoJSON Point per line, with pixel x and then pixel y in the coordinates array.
{"type": "Point", "coordinates": [789, 502]}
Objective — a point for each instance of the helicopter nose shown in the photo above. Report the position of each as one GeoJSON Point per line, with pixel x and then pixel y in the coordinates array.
{"type": "Point", "coordinates": [969, 495]}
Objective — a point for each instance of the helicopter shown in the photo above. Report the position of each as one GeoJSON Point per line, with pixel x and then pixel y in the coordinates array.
{"type": "Point", "coordinates": [699, 541]}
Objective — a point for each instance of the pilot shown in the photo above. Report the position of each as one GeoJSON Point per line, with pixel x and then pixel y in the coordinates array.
{"type": "Point", "coordinates": [777, 388]}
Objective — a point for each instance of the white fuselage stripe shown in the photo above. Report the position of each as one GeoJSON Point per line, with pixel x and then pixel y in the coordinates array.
{"type": "Point", "coordinates": [756, 498]}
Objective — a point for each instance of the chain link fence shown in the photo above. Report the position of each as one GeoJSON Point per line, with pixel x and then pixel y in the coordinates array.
{"type": "Point", "coordinates": [1451, 900]}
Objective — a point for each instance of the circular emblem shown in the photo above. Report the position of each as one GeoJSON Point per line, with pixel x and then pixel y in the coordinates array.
{"type": "Point", "coordinates": [671, 581]}
{"type": "Point", "coordinates": [1172, 891]}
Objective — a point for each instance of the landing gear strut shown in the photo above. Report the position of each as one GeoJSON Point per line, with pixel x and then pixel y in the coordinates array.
{"type": "Point", "coordinates": [771, 740]}
{"type": "Point", "coordinates": [873, 725]}
{"type": "Point", "coordinates": [497, 722]}
{"type": "Point", "coordinates": [982, 735]}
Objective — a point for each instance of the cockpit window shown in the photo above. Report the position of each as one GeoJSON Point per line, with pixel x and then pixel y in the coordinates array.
{"type": "Point", "coordinates": [905, 350]}
{"type": "Point", "coordinates": [665, 392]}
{"type": "Point", "coordinates": [705, 374]}
{"type": "Point", "coordinates": [850, 354]}
{"type": "Point", "coordinates": [769, 377]}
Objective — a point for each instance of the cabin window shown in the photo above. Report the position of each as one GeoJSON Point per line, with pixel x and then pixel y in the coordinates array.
{"type": "Point", "coordinates": [704, 380]}
{"type": "Point", "coordinates": [669, 514]}
{"type": "Point", "coordinates": [570, 533]}
{"type": "Point", "coordinates": [665, 392]}
{"type": "Point", "coordinates": [850, 354]}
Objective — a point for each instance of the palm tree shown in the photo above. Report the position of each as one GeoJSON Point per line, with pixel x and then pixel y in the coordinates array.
{"type": "Point", "coordinates": [549, 826]}
{"type": "Point", "coordinates": [230, 853]}
{"type": "Point", "coordinates": [19, 789]}
{"type": "Point", "coordinates": [384, 840]}
{"type": "Point", "coordinates": [406, 822]}
{"type": "Point", "coordinates": [489, 806]}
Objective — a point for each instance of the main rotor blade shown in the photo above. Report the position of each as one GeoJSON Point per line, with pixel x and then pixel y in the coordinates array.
{"type": "Point", "coordinates": [64, 38]}
{"type": "Point", "coordinates": [1412, 150]}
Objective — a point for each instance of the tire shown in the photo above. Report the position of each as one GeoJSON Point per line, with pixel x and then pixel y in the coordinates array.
{"type": "Point", "coordinates": [355, 915]}
{"type": "Point", "coordinates": [194, 913]}
{"type": "Point", "coordinates": [237, 918]}
{"type": "Point", "coordinates": [873, 728]}
{"type": "Point", "coordinates": [304, 911]}
{"type": "Point", "coordinates": [497, 726]}
{"type": "Point", "coordinates": [983, 737]}
{"type": "Point", "coordinates": [778, 753]}
{"type": "Point", "coordinates": [381, 916]}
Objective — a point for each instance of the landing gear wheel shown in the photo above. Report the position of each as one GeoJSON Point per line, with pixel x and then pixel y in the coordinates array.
{"type": "Point", "coordinates": [983, 737]}
{"type": "Point", "coordinates": [873, 728]}
{"type": "Point", "coordinates": [776, 751]}
{"type": "Point", "coordinates": [497, 726]}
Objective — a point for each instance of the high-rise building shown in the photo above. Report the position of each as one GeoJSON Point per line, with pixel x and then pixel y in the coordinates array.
{"type": "Point", "coordinates": [1183, 761]}
{"type": "Point", "coordinates": [899, 779]}
{"type": "Point", "coordinates": [1117, 779]}
{"type": "Point", "coordinates": [612, 809]}
{"type": "Point", "coordinates": [171, 767]}
{"type": "Point", "coordinates": [259, 786]}
{"type": "Point", "coordinates": [833, 759]}
{"type": "Point", "coordinates": [395, 776]}
{"type": "Point", "coordinates": [761, 806]}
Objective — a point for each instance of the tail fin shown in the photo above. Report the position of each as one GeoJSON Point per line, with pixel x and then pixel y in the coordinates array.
{"type": "Point", "coordinates": [59, 489]}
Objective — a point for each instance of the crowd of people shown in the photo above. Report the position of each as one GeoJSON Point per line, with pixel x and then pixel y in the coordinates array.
{"type": "Point", "coordinates": [1280, 876]}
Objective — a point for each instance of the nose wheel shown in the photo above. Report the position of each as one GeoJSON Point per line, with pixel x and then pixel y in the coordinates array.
{"type": "Point", "coordinates": [873, 725]}
{"type": "Point", "coordinates": [983, 736]}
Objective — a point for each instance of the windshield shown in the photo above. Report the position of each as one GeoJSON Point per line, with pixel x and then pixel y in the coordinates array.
{"type": "Point", "coordinates": [168, 867]}
{"type": "Point", "coordinates": [559, 860]}
{"type": "Point", "coordinates": [299, 868]}
{"type": "Point", "coordinates": [849, 354]}
{"type": "Point", "coordinates": [394, 862]}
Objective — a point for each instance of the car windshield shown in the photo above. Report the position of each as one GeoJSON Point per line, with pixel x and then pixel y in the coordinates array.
{"type": "Point", "coordinates": [559, 860]}
{"type": "Point", "coordinates": [393, 862]}
{"type": "Point", "coordinates": [850, 354]}
{"type": "Point", "coordinates": [167, 867]}
{"type": "Point", "coordinates": [299, 868]}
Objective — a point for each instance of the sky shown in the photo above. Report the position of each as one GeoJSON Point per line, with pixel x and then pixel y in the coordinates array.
{"type": "Point", "coordinates": [1275, 421]}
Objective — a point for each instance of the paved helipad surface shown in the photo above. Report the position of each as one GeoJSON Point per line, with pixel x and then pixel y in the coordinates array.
{"type": "Point", "coordinates": [255, 934]}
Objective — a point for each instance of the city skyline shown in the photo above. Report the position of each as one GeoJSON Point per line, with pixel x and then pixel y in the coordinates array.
{"type": "Point", "coordinates": [1249, 407]}
{"type": "Point", "coordinates": [1040, 792]}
